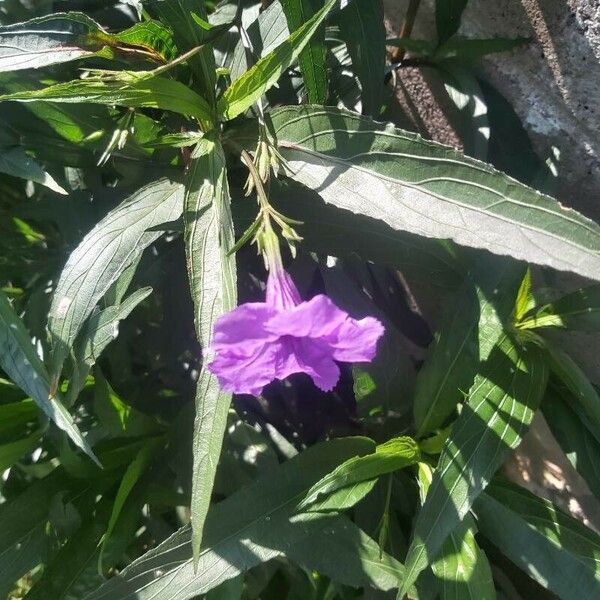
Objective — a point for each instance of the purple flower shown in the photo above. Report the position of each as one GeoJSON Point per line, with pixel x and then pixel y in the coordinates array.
{"type": "Point", "coordinates": [261, 341]}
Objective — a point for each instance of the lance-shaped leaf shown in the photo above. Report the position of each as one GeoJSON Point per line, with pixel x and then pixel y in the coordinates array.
{"type": "Point", "coordinates": [63, 37]}
{"type": "Point", "coordinates": [587, 399]}
{"type": "Point", "coordinates": [55, 132]}
{"type": "Point", "coordinates": [24, 543]}
{"type": "Point", "coordinates": [579, 310]}
{"type": "Point", "coordinates": [49, 40]}
{"type": "Point", "coordinates": [559, 552]}
{"type": "Point", "coordinates": [577, 442]}
{"type": "Point", "coordinates": [500, 407]}
{"type": "Point", "coordinates": [462, 568]}
{"type": "Point", "coordinates": [148, 38]}
{"type": "Point", "coordinates": [474, 323]}
{"type": "Point", "coordinates": [101, 330]}
{"type": "Point", "coordinates": [423, 187]}
{"type": "Point", "coordinates": [362, 27]}
{"type": "Point", "coordinates": [20, 361]}
{"type": "Point", "coordinates": [312, 58]}
{"type": "Point", "coordinates": [17, 163]}
{"type": "Point", "coordinates": [131, 477]}
{"type": "Point", "coordinates": [74, 571]}
{"type": "Point", "coordinates": [11, 452]}
{"type": "Point", "coordinates": [122, 88]}
{"type": "Point", "coordinates": [473, 49]}
{"type": "Point", "coordinates": [256, 524]}
{"type": "Point", "coordinates": [103, 254]}
{"type": "Point", "coordinates": [246, 90]}
{"type": "Point", "coordinates": [395, 454]}
{"type": "Point", "coordinates": [209, 237]}
{"type": "Point", "coordinates": [268, 31]}
{"type": "Point", "coordinates": [447, 17]}
{"type": "Point", "coordinates": [178, 15]}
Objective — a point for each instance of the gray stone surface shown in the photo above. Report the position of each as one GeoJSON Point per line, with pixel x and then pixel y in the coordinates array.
{"type": "Point", "coordinates": [553, 83]}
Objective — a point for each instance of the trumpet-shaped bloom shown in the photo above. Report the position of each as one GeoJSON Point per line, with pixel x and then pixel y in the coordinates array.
{"type": "Point", "coordinates": [259, 342]}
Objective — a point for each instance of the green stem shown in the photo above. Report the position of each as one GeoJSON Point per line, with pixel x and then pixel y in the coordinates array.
{"type": "Point", "coordinates": [263, 199]}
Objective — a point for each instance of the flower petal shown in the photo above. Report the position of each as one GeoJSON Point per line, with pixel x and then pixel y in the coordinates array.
{"type": "Point", "coordinates": [356, 341]}
{"type": "Point", "coordinates": [282, 292]}
{"type": "Point", "coordinates": [243, 329]}
{"type": "Point", "coordinates": [308, 356]}
{"type": "Point", "coordinates": [247, 374]}
{"type": "Point", "coordinates": [316, 318]}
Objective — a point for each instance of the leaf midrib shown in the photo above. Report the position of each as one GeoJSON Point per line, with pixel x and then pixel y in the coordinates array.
{"type": "Point", "coordinates": [233, 535]}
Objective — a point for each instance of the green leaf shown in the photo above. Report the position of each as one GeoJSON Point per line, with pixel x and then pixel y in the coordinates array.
{"type": "Point", "coordinates": [150, 37]}
{"type": "Point", "coordinates": [447, 18]}
{"type": "Point", "coordinates": [587, 399]}
{"type": "Point", "coordinates": [579, 310]}
{"type": "Point", "coordinates": [362, 28]}
{"type": "Point", "coordinates": [579, 445]}
{"type": "Point", "coordinates": [246, 90]}
{"type": "Point", "coordinates": [423, 187]}
{"type": "Point", "coordinates": [462, 568]}
{"type": "Point", "coordinates": [500, 407]}
{"type": "Point", "coordinates": [209, 237]}
{"type": "Point", "coordinates": [255, 525]}
{"type": "Point", "coordinates": [132, 475]}
{"type": "Point", "coordinates": [414, 46]}
{"type": "Point", "coordinates": [122, 88]}
{"type": "Point", "coordinates": [462, 48]}
{"type": "Point", "coordinates": [473, 324]}
{"type": "Point", "coordinates": [101, 329]}
{"type": "Point", "coordinates": [49, 40]}
{"type": "Point", "coordinates": [344, 498]}
{"type": "Point", "coordinates": [340, 550]}
{"type": "Point", "coordinates": [24, 543]}
{"type": "Point", "coordinates": [114, 243]}
{"type": "Point", "coordinates": [10, 453]}
{"type": "Point", "coordinates": [385, 385]}
{"type": "Point", "coordinates": [266, 32]}
{"type": "Point", "coordinates": [188, 34]}
{"type": "Point", "coordinates": [16, 415]}
{"type": "Point", "coordinates": [20, 361]}
{"type": "Point", "coordinates": [312, 58]}
{"type": "Point", "coordinates": [74, 571]}
{"type": "Point", "coordinates": [557, 551]}
{"type": "Point", "coordinates": [466, 49]}
{"type": "Point", "coordinates": [115, 416]}
{"type": "Point", "coordinates": [57, 133]}
{"type": "Point", "coordinates": [63, 37]}
{"type": "Point", "coordinates": [525, 299]}
{"type": "Point", "coordinates": [115, 295]}
{"type": "Point", "coordinates": [16, 162]}
{"type": "Point", "coordinates": [391, 456]}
